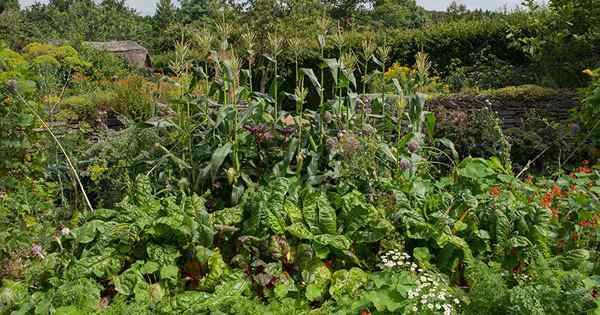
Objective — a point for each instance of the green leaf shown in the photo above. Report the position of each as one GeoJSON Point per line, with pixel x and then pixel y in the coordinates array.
{"type": "Point", "coordinates": [310, 211]}
{"type": "Point", "coordinates": [143, 190]}
{"type": "Point", "coordinates": [422, 256]}
{"type": "Point", "coordinates": [150, 267]}
{"type": "Point", "coordinates": [450, 145]}
{"type": "Point", "coordinates": [336, 241]}
{"type": "Point", "coordinates": [398, 87]}
{"type": "Point", "coordinates": [386, 150]}
{"type": "Point", "coordinates": [519, 241]}
{"type": "Point", "coordinates": [293, 212]}
{"type": "Point", "coordinates": [217, 270]}
{"type": "Point", "coordinates": [346, 283]}
{"type": "Point", "coordinates": [318, 279]}
{"type": "Point", "coordinates": [313, 79]}
{"type": "Point", "coordinates": [483, 234]}
{"type": "Point", "coordinates": [87, 233]}
{"type": "Point", "coordinates": [24, 120]}
{"type": "Point", "coordinates": [216, 161]}
{"type": "Point", "coordinates": [327, 215]}
{"type": "Point", "coordinates": [169, 272]}
{"type": "Point", "coordinates": [475, 168]}
{"type": "Point", "coordinates": [313, 292]}
{"type": "Point", "coordinates": [69, 310]}
{"type": "Point", "coordinates": [334, 67]}
{"type": "Point", "coordinates": [460, 226]}
{"type": "Point", "coordinates": [385, 301]}
{"type": "Point", "coordinates": [104, 265]}
{"type": "Point", "coordinates": [377, 61]}
{"type": "Point", "coordinates": [228, 216]}
{"type": "Point", "coordinates": [430, 122]}
{"type": "Point", "coordinates": [300, 231]}
{"type": "Point", "coordinates": [163, 255]}
{"type": "Point", "coordinates": [274, 205]}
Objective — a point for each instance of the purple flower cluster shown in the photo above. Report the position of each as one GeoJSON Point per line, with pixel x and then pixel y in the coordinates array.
{"type": "Point", "coordinates": [286, 132]}
{"type": "Point", "coordinates": [260, 131]}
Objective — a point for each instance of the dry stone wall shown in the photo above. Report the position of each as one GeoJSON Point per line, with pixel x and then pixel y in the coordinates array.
{"type": "Point", "coordinates": [511, 107]}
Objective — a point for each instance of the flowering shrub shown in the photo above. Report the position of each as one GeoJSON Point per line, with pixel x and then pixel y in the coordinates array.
{"type": "Point", "coordinates": [431, 294]}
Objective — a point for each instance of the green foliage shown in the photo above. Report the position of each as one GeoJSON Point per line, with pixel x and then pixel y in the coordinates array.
{"type": "Point", "coordinates": [9, 5]}
{"type": "Point", "coordinates": [12, 26]}
{"type": "Point", "coordinates": [86, 20]}
{"type": "Point", "coordinates": [398, 14]}
{"type": "Point", "coordinates": [165, 14]}
{"type": "Point", "coordinates": [133, 98]}
{"type": "Point", "coordinates": [212, 197]}
{"type": "Point", "coordinates": [590, 111]}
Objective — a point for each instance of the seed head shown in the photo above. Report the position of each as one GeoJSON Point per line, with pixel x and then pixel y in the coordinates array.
{"type": "Point", "coordinates": [37, 251]}
{"type": "Point", "coordinates": [404, 164]}
{"type": "Point", "coordinates": [413, 146]}
{"type": "Point", "coordinates": [331, 143]}
{"type": "Point", "coordinates": [349, 144]}
{"type": "Point", "coordinates": [12, 86]}
{"type": "Point", "coordinates": [369, 130]}
{"type": "Point", "coordinates": [327, 117]}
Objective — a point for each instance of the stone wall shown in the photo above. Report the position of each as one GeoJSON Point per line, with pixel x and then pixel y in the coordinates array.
{"type": "Point", "coordinates": [553, 104]}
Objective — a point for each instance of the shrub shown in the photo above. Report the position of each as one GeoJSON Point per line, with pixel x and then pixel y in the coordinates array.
{"type": "Point", "coordinates": [10, 60]}
{"type": "Point", "coordinates": [589, 114]}
{"type": "Point", "coordinates": [133, 97]}
{"type": "Point", "coordinates": [103, 65]}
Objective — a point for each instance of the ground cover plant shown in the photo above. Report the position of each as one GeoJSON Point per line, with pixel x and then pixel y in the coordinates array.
{"type": "Point", "coordinates": [233, 183]}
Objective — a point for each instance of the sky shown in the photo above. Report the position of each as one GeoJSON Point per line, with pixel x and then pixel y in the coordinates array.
{"type": "Point", "coordinates": [147, 6]}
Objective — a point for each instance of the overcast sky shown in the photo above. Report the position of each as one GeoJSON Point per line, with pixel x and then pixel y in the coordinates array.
{"type": "Point", "coordinates": [147, 6]}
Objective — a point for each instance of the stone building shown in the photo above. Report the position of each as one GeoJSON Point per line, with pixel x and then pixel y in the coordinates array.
{"type": "Point", "coordinates": [135, 54]}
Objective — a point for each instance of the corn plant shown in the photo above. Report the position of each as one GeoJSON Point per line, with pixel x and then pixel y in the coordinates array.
{"type": "Point", "coordinates": [383, 53]}
{"type": "Point", "coordinates": [248, 40]}
{"type": "Point", "coordinates": [368, 48]}
{"type": "Point", "coordinates": [276, 47]}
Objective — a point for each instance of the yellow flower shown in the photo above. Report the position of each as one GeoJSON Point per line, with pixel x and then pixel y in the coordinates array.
{"type": "Point", "coordinates": [588, 72]}
{"type": "Point", "coordinates": [96, 171]}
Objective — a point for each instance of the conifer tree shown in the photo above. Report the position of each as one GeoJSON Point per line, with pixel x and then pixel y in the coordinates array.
{"type": "Point", "coordinates": [165, 14]}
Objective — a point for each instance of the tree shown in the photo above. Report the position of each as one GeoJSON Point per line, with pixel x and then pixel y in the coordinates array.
{"type": "Point", "coordinates": [12, 28]}
{"type": "Point", "coordinates": [79, 20]}
{"type": "Point", "coordinates": [456, 9]}
{"type": "Point", "coordinates": [196, 10]}
{"type": "Point", "coordinates": [165, 14]}
{"type": "Point", "coordinates": [9, 4]}
{"type": "Point", "coordinates": [398, 13]}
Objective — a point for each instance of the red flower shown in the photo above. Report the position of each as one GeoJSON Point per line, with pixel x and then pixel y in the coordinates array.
{"type": "Point", "coordinates": [556, 191]}
{"type": "Point", "coordinates": [495, 191]}
{"type": "Point", "coordinates": [584, 170]}
{"type": "Point", "coordinates": [547, 199]}
{"type": "Point", "coordinates": [329, 263]}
